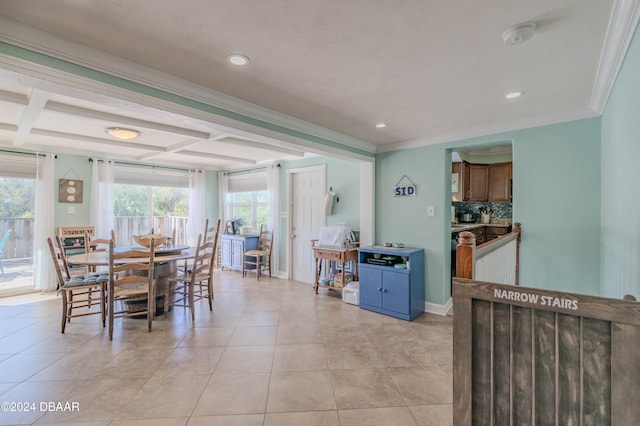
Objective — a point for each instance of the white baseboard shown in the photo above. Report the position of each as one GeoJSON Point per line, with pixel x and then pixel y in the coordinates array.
{"type": "Point", "coordinates": [434, 308]}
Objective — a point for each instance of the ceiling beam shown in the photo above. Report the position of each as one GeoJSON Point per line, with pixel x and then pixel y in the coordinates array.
{"type": "Point", "coordinates": [179, 146]}
{"type": "Point", "coordinates": [261, 145]}
{"type": "Point", "coordinates": [82, 138]}
{"type": "Point", "coordinates": [14, 98]}
{"type": "Point", "coordinates": [37, 101]}
{"type": "Point", "coordinates": [124, 120]}
{"type": "Point", "coordinates": [9, 127]}
{"type": "Point", "coordinates": [218, 157]}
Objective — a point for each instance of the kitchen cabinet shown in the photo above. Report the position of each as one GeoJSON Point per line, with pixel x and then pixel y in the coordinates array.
{"type": "Point", "coordinates": [493, 232]}
{"type": "Point", "coordinates": [389, 290]}
{"type": "Point", "coordinates": [480, 234]}
{"type": "Point", "coordinates": [500, 182]}
{"type": "Point", "coordinates": [476, 182]}
{"type": "Point", "coordinates": [482, 182]}
{"type": "Point", "coordinates": [232, 248]}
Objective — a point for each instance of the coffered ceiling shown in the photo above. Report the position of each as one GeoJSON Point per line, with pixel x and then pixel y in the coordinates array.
{"type": "Point", "coordinates": [321, 74]}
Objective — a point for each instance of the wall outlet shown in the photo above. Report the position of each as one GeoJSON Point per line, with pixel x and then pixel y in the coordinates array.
{"type": "Point", "coordinates": [71, 210]}
{"type": "Point", "coordinates": [431, 210]}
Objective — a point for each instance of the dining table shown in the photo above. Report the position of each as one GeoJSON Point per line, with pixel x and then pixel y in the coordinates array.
{"type": "Point", "coordinates": [165, 262]}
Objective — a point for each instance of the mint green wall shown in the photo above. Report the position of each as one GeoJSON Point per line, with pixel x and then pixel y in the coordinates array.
{"type": "Point", "coordinates": [83, 168]}
{"type": "Point", "coordinates": [72, 167]}
{"type": "Point", "coordinates": [556, 197]}
{"type": "Point", "coordinates": [343, 176]}
{"type": "Point", "coordinates": [620, 179]}
{"type": "Point", "coordinates": [405, 220]}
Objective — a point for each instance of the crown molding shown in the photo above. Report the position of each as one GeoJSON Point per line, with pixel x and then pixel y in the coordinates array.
{"type": "Point", "coordinates": [622, 25]}
{"type": "Point", "coordinates": [38, 41]}
{"type": "Point", "coordinates": [483, 131]}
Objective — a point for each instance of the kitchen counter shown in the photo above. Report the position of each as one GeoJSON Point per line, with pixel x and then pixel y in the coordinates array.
{"type": "Point", "coordinates": [469, 226]}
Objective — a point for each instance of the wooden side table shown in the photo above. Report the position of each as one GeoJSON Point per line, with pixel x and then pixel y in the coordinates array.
{"type": "Point", "coordinates": [337, 254]}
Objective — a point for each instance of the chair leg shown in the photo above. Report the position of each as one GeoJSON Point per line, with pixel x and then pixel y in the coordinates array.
{"type": "Point", "coordinates": [64, 310]}
{"type": "Point", "coordinates": [102, 304]}
{"type": "Point", "coordinates": [69, 305]}
{"type": "Point", "coordinates": [210, 294]}
{"type": "Point", "coordinates": [110, 314]}
{"type": "Point", "coordinates": [192, 301]}
{"type": "Point", "coordinates": [151, 309]}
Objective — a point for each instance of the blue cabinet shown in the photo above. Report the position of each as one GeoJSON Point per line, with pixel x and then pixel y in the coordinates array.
{"type": "Point", "coordinates": [391, 290]}
{"type": "Point", "coordinates": [232, 247]}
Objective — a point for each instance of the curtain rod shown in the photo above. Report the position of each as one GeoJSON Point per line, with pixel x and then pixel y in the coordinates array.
{"type": "Point", "coordinates": [150, 166]}
{"type": "Point", "coordinates": [252, 170]}
{"type": "Point", "coordinates": [33, 154]}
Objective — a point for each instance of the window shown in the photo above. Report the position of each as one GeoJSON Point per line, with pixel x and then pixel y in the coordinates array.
{"type": "Point", "coordinates": [248, 198]}
{"type": "Point", "coordinates": [251, 207]}
{"type": "Point", "coordinates": [17, 193]}
{"type": "Point", "coordinates": [149, 199]}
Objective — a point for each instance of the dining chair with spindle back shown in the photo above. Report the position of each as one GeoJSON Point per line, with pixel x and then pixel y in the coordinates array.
{"type": "Point", "coordinates": [78, 291]}
{"type": "Point", "coordinates": [196, 283]}
{"type": "Point", "coordinates": [131, 277]}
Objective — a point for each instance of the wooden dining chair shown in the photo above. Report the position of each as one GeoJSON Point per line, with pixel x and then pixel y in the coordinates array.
{"type": "Point", "coordinates": [96, 244]}
{"type": "Point", "coordinates": [213, 234]}
{"type": "Point", "coordinates": [259, 258]}
{"type": "Point", "coordinates": [78, 291]}
{"type": "Point", "coordinates": [197, 283]}
{"type": "Point", "coordinates": [131, 280]}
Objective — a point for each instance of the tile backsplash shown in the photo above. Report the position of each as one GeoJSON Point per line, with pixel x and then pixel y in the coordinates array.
{"type": "Point", "coordinates": [500, 210]}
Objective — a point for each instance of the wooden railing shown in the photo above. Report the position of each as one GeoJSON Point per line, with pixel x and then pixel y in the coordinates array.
{"type": "Point", "coordinates": [524, 356]}
{"type": "Point", "coordinates": [127, 226]}
{"type": "Point", "coordinates": [20, 242]}
{"type": "Point", "coordinates": [495, 261]}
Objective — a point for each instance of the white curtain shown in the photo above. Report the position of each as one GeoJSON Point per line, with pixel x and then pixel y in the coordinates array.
{"type": "Point", "coordinates": [273, 190]}
{"type": "Point", "coordinates": [44, 224]}
{"type": "Point", "coordinates": [223, 190]}
{"type": "Point", "coordinates": [102, 199]}
{"type": "Point", "coordinates": [195, 222]}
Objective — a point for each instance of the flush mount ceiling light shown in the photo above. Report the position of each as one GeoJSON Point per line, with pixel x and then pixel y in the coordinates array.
{"type": "Point", "coordinates": [513, 95]}
{"type": "Point", "coordinates": [238, 60]}
{"type": "Point", "coordinates": [519, 33]}
{"type": "Point", "coordinates": [122, 133]}
{"type": "Point", "coordinates": [381, 125]}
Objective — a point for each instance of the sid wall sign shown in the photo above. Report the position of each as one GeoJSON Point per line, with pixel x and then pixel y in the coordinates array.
{"type": "Point", "coordinates": [404, 188]}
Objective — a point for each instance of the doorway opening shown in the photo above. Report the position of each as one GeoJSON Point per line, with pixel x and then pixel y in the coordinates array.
{"type": "Point", "coordinates": [481, 193]}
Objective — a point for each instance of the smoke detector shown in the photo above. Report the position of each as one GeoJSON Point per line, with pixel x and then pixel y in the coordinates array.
{"type": "Point", "coordinates": [519, 33]}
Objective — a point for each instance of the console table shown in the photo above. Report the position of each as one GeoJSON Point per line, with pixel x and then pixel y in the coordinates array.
{"type": "Point", "coordinates": [337, 254]}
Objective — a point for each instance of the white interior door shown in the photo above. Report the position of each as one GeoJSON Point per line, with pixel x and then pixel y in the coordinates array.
{"type": "Point", "coordinates": [307, 217]}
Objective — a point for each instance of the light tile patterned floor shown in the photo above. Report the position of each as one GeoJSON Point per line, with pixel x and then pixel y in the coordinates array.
{"type": "Point", "coordinates": [271, 353]}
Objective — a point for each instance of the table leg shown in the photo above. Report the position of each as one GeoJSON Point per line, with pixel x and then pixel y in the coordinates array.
{"type": "Point", "coordinates": [315, 285]}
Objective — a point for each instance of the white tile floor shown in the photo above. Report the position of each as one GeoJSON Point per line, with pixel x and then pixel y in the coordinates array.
{"type": "Point", "coordinates": [271, 353]}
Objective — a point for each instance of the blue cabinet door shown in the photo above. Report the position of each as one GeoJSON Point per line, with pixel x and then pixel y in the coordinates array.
{"type": "Point", "coordinates": [370, 286]}
{"type": "Point", "coordinates": [395, 291]}
{"type": "Point", "coordinates": [237, 253]}
{"type": "Point", "coordinates": [225, 253]}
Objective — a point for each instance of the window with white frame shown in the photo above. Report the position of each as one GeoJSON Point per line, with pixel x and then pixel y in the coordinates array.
{"type": "Point", "coordinates": [150, 199]}
{"type": "Point", "coordinates": [247, 198]}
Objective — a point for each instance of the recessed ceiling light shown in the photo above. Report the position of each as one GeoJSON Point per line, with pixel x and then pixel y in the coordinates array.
{"type": "Point", "coordinates": [381, 125]}
{"type": "Point", "coordinates": [239, 60]}
{"type": "Point", "coordinates": [122, 133]}
{"type": "Point", "coordinates": [513, 95]}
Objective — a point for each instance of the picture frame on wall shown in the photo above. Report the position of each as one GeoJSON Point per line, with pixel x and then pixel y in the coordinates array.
{"type": "Point", "coordinates": [70, 191]}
